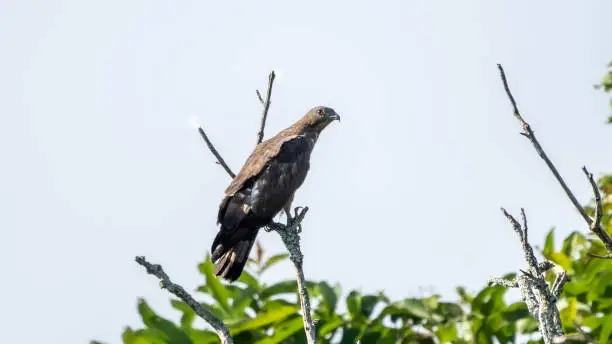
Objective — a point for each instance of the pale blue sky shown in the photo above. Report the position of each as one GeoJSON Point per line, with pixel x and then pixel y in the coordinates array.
{"type": "Point", "coordinates": [100, 163]}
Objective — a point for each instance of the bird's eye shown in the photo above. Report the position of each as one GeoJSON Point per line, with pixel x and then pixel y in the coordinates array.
{"type": "Point", "coordinates": [321, 112]}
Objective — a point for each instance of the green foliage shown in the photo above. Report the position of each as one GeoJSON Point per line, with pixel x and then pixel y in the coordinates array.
{"type": "Point", "coordinates": [606, 85]}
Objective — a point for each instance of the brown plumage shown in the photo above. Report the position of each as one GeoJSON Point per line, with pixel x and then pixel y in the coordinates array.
{"type": "Point", "coordinates": [264, 186]}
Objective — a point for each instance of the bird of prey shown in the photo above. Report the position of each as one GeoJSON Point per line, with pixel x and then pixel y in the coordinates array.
{"type": "Point", "coordinates": [264, 186]}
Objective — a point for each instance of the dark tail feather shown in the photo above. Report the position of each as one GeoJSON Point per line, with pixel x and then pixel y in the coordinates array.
{"type": "Point", "coordinates": [232, 262]}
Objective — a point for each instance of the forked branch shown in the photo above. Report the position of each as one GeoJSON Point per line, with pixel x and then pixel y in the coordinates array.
{"type": "Point", "coordinates": [540, 300]}
{"type": "Point", "coordinates": [594, 224]}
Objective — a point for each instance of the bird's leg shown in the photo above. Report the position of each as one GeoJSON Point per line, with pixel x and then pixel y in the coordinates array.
{"type": "Point", "coordinates": [273, 226]}
{"type": "Point", "coordinates": [287, 209]}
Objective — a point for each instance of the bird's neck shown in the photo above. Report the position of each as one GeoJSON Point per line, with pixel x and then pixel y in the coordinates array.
{"type": "Point", "coordinates": [311, 134]}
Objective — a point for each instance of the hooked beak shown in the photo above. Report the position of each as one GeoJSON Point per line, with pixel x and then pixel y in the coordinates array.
{"type": "Point", "coordinates": [334, 116]}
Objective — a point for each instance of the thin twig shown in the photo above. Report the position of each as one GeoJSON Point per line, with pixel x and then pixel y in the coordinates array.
{"type": "Point", "coordinates": [260, 97]}
{"type": "Point", "coordinates": [587, 337]}
{"type": "Point", "coordinates": [502, 282]}
{"type": "Point", "coordinates": [609, 256]}
{"type": "Point", "coordinates": [212, 148]}
{"type": "Point", "coordinates": [559, 284]}
{"type": "Point", "coordinates": [595, 224]}
{"type": "Point", "coordinates": [266, 107]}
{"type": "Point", "coordinates": [528, 132]}
{"type": "Point", "coordinates": [165, 283]}
{"type": "Point", "coordinates": [545, 266]}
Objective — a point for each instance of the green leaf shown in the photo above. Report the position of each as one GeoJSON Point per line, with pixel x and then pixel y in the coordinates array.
{"type": "Point", "coordinates": [415, 307]}
{"type": "Point", "coordinates": [368, 302]}
{"type": "Point", "coordinates": [349, 336]}
{"type": "Point", "coordinates": [549, 244]}
{"type": "Point", "coordinates": [277, 258]}
{"type": "Point", "coordinates": [217, 290]}
{"type": "Point", "coordinates": [606, 329]}
{"type": "Point", "coordinates": [464, 295]}
{"type": "Point", "coordinates": [516, 311]}
{"type": "Point", "coordinates": [284, 330]}
{"type": "Point", "coordinates": [593, 322]}
{"type": "Point", "coordinates": [353, 303]}
{"type": "Point", "coordinates": [142, 337]}
{"type": "Point", "coordinates": [275, 313]}
{"type": "Point", "coordinates": [446, 333]}
{"type": "Point", "coordinates": [569, 313]}
{"type": "Point", "coordinates": [371, 337]}
{"type": "Point", "coordinates": [526, 325]}
{"type": "Point", "coordinates": [330, 325]}
{"type": "Point", "coordinates": [249, 280]}
{"type": "Point", "coordinates": [202, 337]}
{"type": "Point", "coordinates": [172, 333]}
{"type": "Point", "coordinates": [284, 287]}
{"type": "Point", "coordinates": [488, 301]}
{"type": "Point", "coordinates": [450, 310]}
{"type": "Point", "coordinates": [573, 244]}
{"type": "Point", "coordinates": [561, 260]}
{"type": "Point", "coordinates": [329, 297]}
{"type": "Point", "coordinates": [243, 300]}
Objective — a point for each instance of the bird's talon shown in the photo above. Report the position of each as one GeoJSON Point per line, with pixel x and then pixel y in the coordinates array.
{"type": "Point", "coordinates": [296, 211]}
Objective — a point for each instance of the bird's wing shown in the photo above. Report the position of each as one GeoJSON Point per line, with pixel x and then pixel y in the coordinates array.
{"type": "Point", "coordinates": [256, 162]}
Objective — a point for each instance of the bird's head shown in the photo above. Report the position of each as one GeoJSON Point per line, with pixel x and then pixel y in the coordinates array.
{"type": "Point", "coordinates": [319, 117]}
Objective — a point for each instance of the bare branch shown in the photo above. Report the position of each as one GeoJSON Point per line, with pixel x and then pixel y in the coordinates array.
{"type": "Point", "coordinates": [528, 132]}
{"type": "Point", "coordinates": [266, 107]}
{"type": "Point", "coordinates": [595, 224]}
{"type": "Point", "coordinates": [165, 283]}
{"type": "Point", "coordinates": [212, 148]}
{"type": "Point", "coordinates": [539, 299]}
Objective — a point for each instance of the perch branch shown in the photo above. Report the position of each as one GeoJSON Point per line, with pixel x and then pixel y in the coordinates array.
{"type": "Point", "coordinates": [290, 232]}
{"type": "Point", "coordinates": [291, 239]}
{"type": "Point", "coordinates": [165, 283]}
{"type": "Point", "coordinates": [594, 225]}
{"type": "Point", "coordinates": [266, 107]}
